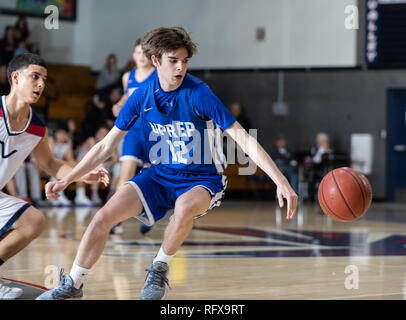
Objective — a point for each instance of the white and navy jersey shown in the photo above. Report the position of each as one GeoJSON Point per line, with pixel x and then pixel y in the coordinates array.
{"type": "Point", "coordinates": [182, 126]}
{"type": "Point", "coordinates": [16, 145]}
{"type": "Point", "coordinates": [133, 84]}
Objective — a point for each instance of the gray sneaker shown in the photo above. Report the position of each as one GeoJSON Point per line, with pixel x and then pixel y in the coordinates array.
{"type": "Point", "coordinates": [9, 293]}
{"type": "Point", "coordinates": [64, 291]}
{"type": "Point", "coordinates": [155, 282]}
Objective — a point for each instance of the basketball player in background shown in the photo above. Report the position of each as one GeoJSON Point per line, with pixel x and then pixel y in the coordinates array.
{"type": "Point", "coordinates": [134, 154]}
{"type": "Point", "coordinates": [176, 110]}
{"type": "Point", "coordinates": [22, 132]}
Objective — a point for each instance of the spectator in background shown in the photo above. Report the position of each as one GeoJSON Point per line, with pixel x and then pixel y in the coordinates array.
{"type": "Point", "coordinates": [319, 159]}
{"type": "Point", "coordinates": [94, 118]}
{"type": "Point", "coordinates": [74, 135]}
{"type": "Point", "coordinates": [283, 158]}
{"type": "Point", "coordinates": [101, 132]}
{"type": "Point", "coordinates": [113, 97]}
{"type": "Point", "coordinates": [21, 48]}
{"type": "Point", "coordinates": [7, 45]}
{"type": "Point", "coordinates": [322, 148]}
{"type": "Point", "coordinates": [238, 112]}
{"type": "Point", "coordinates": [35, 196]}
{"type": "Point", "coordinates": [4, 84]}
{"type": "Point", "coordinates": [22, 31]}
{"type": "Point", "coordinates": [109, 77]}
{"type": "Point", "coordinates": [62, 148]}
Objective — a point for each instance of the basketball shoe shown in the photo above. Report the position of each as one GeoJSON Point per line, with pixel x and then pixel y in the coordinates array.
{"type": "Point", "coordinates": [144, 229]}
{"type": "Point", "coordinates": [9, 293]}
{"type": "Point", "coordinates": [64, 291]}
{"type": "Point", "coordinates": [155, 282]}
{"type": "Point", "coordinates": [117, 229]}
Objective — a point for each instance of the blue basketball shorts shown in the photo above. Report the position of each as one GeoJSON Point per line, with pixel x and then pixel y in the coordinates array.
{"type": "Point", "coordinates": [158, 192]}
{"type": "Point", "coordinates": [134, 147]}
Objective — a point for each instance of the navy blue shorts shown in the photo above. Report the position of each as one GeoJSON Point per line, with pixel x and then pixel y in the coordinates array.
{"type": "Point", "coordinates": [158, 192]}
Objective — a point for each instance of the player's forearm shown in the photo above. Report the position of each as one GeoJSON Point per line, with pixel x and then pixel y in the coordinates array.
{"type": "Point", "coordinates": [57, 168]}
{"type": "Point", "coordinates": [98, 154]}
{"type": "Point", "coordinates": [254, 150]}
{"type": "Point", "coordinates": [257, 153]}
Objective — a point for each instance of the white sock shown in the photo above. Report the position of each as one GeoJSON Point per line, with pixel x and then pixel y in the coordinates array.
{"type": "Point", "coordinates": [162, 256]}
{"type": "Point", "coordinates": [80, 192]}
{"type": "Point", "coordinates": [77, 274]}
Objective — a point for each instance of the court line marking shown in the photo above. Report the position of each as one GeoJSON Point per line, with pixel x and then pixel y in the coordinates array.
{"type": "Point", "coordinates": [26, 283]}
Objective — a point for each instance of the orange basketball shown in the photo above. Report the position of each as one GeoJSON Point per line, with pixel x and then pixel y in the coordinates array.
{"type": "Point", "coordinates": [344, 194]}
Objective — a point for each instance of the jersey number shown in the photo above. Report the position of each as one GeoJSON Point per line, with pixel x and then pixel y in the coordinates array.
{"type": "Point", "coordinates": [177, 156]}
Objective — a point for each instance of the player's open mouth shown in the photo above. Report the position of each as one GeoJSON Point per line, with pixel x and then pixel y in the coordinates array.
{"type": "Point", "coordinates": [36, 93]}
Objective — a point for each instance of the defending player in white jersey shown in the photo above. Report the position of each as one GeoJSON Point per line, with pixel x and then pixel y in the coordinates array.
{"type": "Point", "coordinates": [22, 132]}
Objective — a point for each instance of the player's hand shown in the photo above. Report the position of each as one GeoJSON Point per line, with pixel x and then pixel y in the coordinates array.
{"type": "Point", "coordinates": [285, 191]}
{"type": "Point", "coordinates": [116, 109]}
{"type": "Point", "coordinates": [97, 175]}
{"type": "Point", "coordinates": [52, 188]}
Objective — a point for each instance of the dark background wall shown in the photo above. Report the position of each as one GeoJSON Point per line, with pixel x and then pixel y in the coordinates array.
{"type": "Point", "coordinates": [339, 102]}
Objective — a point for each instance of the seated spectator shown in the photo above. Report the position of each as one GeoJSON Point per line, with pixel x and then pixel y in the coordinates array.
{"type": "Point", "coordinates": [100, 114]}
{"type": "Point", "coordinates": [238, 112]}
{"type": "Point", "coordinates": [283, 158]}
{"type": "Point", "coordinates": [21, 48]}
{"type": "Point", "coordinates": [108, 78]}
{"type": "Point", "coordinates": [108, 164]}
{"type": "Point", "coordinates": [22, 31]}
{"type": "Point", "coordinates": [7, 45]}
{"type": "Point", "coordinates": [94, 118]}
{"type": "Point", "coordinates": [322, 147]}
{"type": "Point", "coordinates": [4, 84]}
{"type": "Point", "coordinates": [74, 135]}
{"type": "Point", "coordinates": [113, 97]}
{"type": "Point", "coordinates": [62, 148]}
{"type": "Point", "coordinates": [319, 159]}
{"type": "Point", "coordinates": [35, 195]}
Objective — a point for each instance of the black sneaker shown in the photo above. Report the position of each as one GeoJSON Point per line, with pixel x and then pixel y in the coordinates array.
{"type": "Point", "coordinates": [144, 229]}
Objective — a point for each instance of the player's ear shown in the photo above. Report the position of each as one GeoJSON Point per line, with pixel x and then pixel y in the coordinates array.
{"type": "Point", "coordinates": [155, 61]}
{"type": "Point", "coordinates": [15, 76]}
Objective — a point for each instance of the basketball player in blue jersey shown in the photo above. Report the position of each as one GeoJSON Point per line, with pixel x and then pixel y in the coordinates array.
{"type": "Point", "coordinates": [182, 119]}
{"type": "Point", "coordinates": [134, 153]}
{"type": "Point", "coordinates": [23, 132]}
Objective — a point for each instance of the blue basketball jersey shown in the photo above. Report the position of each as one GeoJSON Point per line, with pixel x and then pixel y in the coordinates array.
{"type": "Point", "coordinates": [134, 145]}
{"type": "Point", "coordinates": [133, 84]}
{"type": "Point", "coordinates": [181, 127]}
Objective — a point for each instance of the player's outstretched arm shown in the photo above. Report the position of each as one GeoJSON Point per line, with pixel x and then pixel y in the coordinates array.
{"type": "Point", "coordinates": [47, 161]}
{"type": "Point", "coordinates": [255, 151]}
{"type": "Point", "coordinates": [60, 169]}
{"type": "Point", "coordinates": [96, 155]}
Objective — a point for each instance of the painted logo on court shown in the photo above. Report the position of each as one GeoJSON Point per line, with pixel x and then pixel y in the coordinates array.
{"type": "Point", "coordinates": [289, 243]}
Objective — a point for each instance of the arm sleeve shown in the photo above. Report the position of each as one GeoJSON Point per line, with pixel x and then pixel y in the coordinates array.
{"type": "Point", "coordinates": [208, 106]}
{"type": "Point", "coordinates": [130, 112]}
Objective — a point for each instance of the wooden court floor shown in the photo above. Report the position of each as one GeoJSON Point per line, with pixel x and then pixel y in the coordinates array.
{"type": "Point", "coordinates": [242, 250]}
